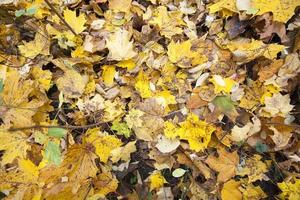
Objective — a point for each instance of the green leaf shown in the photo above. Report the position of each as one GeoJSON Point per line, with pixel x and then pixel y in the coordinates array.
{"type": "Point", "coordinates": [224, 103]}
{"type": "Point", "coordinates": [52, 153]}
{"type": "Point", "coordinates": [1, 85]}
{"type": "Point", "coordinates": [19, 13]}
{"type": "Point", "coordinates": [178, 172]}
{"type": "Point", "coordinates": [31, 10]}
{"type": "Point", "coordinates": [40, 138]}
{"type": "Point", "coordinates": [261, 147]}
{"type": "Point", "coordinates": [57, 132]}
{"type": "Point", "coordinates": [121, 128]}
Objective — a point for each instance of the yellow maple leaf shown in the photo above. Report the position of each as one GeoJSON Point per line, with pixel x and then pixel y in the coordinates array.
{"type": "Point", "coordinates": [40, 45]}
{"type": "Point", "coordinates": [254, 168]}
{"type": "Point", "coordinates": [108, 74]}
{"type": "Point", "coordinates": [142, 85]}
{"type": "Point", "coordinates": [225, 164]}
{"type": "Point", "coordinates": [245, 50]}
{"type": "Point", "coordinates": [79, 52]}
{"type": "Point", "coordinates": [282, 10]}
{"type": "Point", "coordinates": [222, 84]}
{"type": "Point", "coordinates": [169, 22]}
{"type": "Point", "coordinates": [113, 109]}
{"type": "Point", "coordinates": [222, 4]}
{"type": "Point", "coordinates": [78, 166]}
{"type": "Point", "coordinates": [170, 130]}
{"type": "Point", "coordinates": [133, 118]}
{"type": "Point", "coordinates": [76, 23]}
{"type": "Point", "coordinates": [16, 94]}
{"type": "Point", "coordinates": [119, 45]}
{"type": "Point", "coordinates": [165, 98]}
{"type": "Point", "coordinates": [29, 168]}
{"type": "Point", "coordinates": [65, 39]}
{"type": "Point", "coordinates": [71, 84]}
{"type": "Point", "coordinates": [230, 191]}
{"type": "Point", "coordinates": [156, 180]}
{"type": "Point", "coordinates": [123, 153]}
{"type": "Point", "coordinates": [103, 144]}
{"type": "Point", "coordinates": [196, 132]}
{"type": "Point", "coordinates": [14, 144]}
{"type": "Point", "coordinates": [129, 64]}
{"type": "Point", "coordinates": [252, 192]}
{"type": "Point", "coordinates": [43, 77]}
{"type": "Point", "coordinates": [104, 183]}
{"type": "Point", "coordinates": [174, 48]}
{"type": "Point", "coordinates": [40, 6]}
{"type": "Point", "coordinates": [120, 6]}
{"type": "Point", "coordinates": [290, 189]}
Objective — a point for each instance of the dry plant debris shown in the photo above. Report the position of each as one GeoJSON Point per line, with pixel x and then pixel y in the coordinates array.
{"type": "Point", "coordinates": [149, 99]}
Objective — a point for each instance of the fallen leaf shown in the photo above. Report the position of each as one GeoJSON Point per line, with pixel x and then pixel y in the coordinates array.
{"type": "Point", "coordinates": [277, 105]}
{"type": "Point", "coordinates": [254, 168]}
{"type": "Point", "coordinates": [14, 144]}
{"type": "Point", "coordinates": [156, 180]}
{"type": "Point", "coordinates": [104, 144]}
{"type": "Point", "coordinates": [290, 189]}
{"type": "Point", "coordinates": [40, 45]}
{"type": "Point", "coordinates": [76, 23]}
{"type": "Point", "coordinates": [123, 153]}
{"type": "Point", "coordinates": [178, 172]}
{"type": "Point", "coordinates": [225, 164]}
{"type": "Point", "coordinates": [231, 190]}
{"type": "Point", "coordinates": [165, 145]}
{"type": "Point", "coordinates": [105, 183]}
{"type": "Point", "coordinates": [71, 84]}
{"type": "Point", "coordinates": [108, 74]}
{"type": "Point", "coordinates": [281, 139]}
{"type": "Point", "coordinates": [52, 153]}
{"type": "Point", "coordinates": [119, 45]}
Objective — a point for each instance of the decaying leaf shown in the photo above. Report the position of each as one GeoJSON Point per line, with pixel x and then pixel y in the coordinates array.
{"type": "Point", "coordinates": [254, 168]}
{"type": "Point", "coordinates": [71, 84]}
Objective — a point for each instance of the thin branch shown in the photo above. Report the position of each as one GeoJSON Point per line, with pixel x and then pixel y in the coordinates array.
{"type": "Point", "coordinates": [60, 17]}
{"type": "Point", "coordinates": [282, 124]}
{"type": "Point", "coordinates": [56, 126]}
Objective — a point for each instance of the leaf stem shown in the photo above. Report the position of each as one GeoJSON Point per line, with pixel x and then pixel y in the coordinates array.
{"type": "Point", "coordinates": [60, 17]}
{"type": "Point", "coordinates": [56, 126]}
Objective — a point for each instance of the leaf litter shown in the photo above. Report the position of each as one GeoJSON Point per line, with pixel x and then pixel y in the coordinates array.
{"type": "Point", "coordinates": [149, 99]}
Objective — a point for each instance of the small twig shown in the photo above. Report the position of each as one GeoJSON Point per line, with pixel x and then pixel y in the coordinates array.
{"type": "Point", "coordinates": [56, 126]}
{"type": "Point", "coordinates": [60, 17]}
{"type": "Point", "coordinates": [282, 124]}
